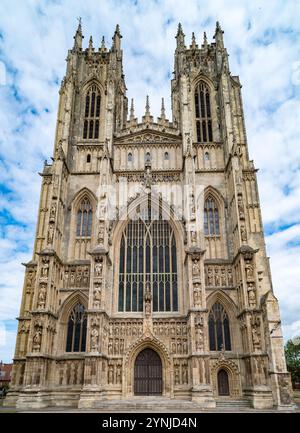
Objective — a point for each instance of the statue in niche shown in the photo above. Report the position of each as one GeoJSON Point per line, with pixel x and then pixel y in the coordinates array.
{"type": "Point", "coordinates": [110, 347]}
{"type": "Point", "coordinates": [217, 278]}
{"type": "Point", "coordinates": [243, 233]}
{"type": "Point", "coordinates": [98, 268]}
{"type": "Point", "coordinates": [210, 277]}
{"type": "Point", "coordinates": [94, 340]}
{"type": "Point", "coordinates": [42, 297]}
{"type": "Point", "coordinates": [45, 268]}
{"type": "Point", "coordinates": [196, 267]}
{"type": "Point", "coordinates": [97, 296]}
{"type": "Point", "coordinates": [53, 212]}
{"type": "Point", "coordinates": [110, 373]}
{"type": "Point", "coordinates": [50, 235]}
{"type": "Point", "coordinates": [223, 277]}
{"type": "Point", "coordinates": [194, 238]}
{"type": "Point", "coordinates": [241, 207]}
{"type": "Point", "coordinates": [249, 270]}
{"type": "Point", "coordinates": [230, 277]}
{"type": "Point", "coordinates": [197, 295]}
{"type": "Point", "coordinates": [37, 340]}
{"type": "Point", "coordinates": [119, 374]}
{"type": "Point", "coordinates": [251, 295]}
{"type": "Point", "coordinates": [147, 300]}
{"type": "Point", "coordinates": [101, 233]}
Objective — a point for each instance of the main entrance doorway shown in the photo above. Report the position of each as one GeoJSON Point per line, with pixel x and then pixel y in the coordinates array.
{"type": "Point", "coordinates": [148, 373]}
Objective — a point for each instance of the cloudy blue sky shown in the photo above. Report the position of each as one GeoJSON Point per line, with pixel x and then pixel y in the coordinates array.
{"type": "Point", "coordinates": [263, 40]}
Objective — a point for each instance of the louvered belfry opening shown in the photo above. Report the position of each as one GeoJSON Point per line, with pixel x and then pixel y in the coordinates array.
{"type": "Point", "coordinates": [148, 373]}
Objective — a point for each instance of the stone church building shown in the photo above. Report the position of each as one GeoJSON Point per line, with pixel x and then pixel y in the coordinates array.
{"type": "Point", "coordinates": [149, 275]}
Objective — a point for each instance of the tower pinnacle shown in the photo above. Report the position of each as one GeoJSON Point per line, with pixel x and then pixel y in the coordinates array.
{"type": "Point", "coordinates": [78, 37]}
{"type": "Point", "coordinates": [180, 38]}
{"type": "Point", "coordinates": [117, 39]}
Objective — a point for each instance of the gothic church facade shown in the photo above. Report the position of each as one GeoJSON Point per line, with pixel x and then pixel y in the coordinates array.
{"type": "Point", "coordinates": [149, 275]}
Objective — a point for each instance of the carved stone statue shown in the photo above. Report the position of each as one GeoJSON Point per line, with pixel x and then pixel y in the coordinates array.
{"type": "Point", "coordinates": [196, 267]}
{"type": "Point", "coordinates": [42, 297]}
{"type": "Point", "coordinates": [98, 268]}
{"type": "Point", "coordinates": [147, 300]}
{"type": "Point", "coordinates": [97, 297]}
{"type": "Point", "coordinates": [37, 340]}
{"type": "Point", "coordinates": [251, 295]}
{"type": "Point", "coordinates": [94, 340]}
{"type": "Point", "coordinates": [249, 270]}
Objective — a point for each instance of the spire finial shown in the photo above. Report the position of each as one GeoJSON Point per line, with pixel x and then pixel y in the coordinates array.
{"type": "Point", "coordinates": [103, 47]}
{"type": "Point", "coordinates": [163, 111]}
{"type": "Point", "coordinates": [78, 36]}
{"type": "Point", "coordinates": [132, 110]}
{"type": "Point", "coordinates": [194, 45]}
{"type": "Point", "coordinates": [117, 38]}
{"type": "Point", "coordinates": [147, 112]}
{"type": "Point", "coordinates": [180, 37]}
{"type": "Point", "coordinates": [219, 35]}
{"type": "Point", "coordinates": [91, 48]}
{"type": "Point", "coordinates": [205, 39]}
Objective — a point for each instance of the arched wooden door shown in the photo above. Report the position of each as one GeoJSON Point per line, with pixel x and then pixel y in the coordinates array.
{"type": "Point", "coordinates": [223, 383]}
{"type": "Point", "coordinates": [148, 373]}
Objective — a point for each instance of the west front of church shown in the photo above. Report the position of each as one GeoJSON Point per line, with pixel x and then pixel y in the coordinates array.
{"type": "Point", "coordinates": [149, 276]}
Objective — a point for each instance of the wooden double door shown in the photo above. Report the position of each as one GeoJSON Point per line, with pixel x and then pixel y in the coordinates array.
{"type": "Point", "coordinates": [148, 373]}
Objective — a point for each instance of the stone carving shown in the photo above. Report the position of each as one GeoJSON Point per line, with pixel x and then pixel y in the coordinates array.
{"type": "Point", "coordinates": [241, 207]}
{"type": "Point", "coordinates": [45, 268]}
{"type": "Point", "coordinates": [197, 295]}
{"type": "Point", "coordinates": [147, 301]}
{"type": "Point", "coordinates": [249, 271]}
{"type": "Point", "coordinates": [194, 238]}
{"type": "Point", "coordinates": [37, 338]}
{"type": "Point", "coordinates": [50, 234]}
{"type": "Point", "coordinates": [30, 280]}
{"type": "Point", "coordinates": [196, 267]}
{"type": "Point", "coordinates": [218, 276]}
{"type": "Point", "coordinates": [94, 340]}
{"type": "Point", "coordinates": [180, 372]}
{"type": "Point", "coordinates": [52, 212]}
{"type": "Point", "coordinates": [77, 276]}
{"type": "Point", "coordinates": [199, 335]}
{"type": "Point", "coordinates": [251, 295]}
{"type": "Point", "coordinates": [42, 296]}
{"type": "Point", "coordinates": [101, 234]}
{"type": "Point", "coordinates": [98, 267]}
{"type": "Point", "coordinates": [256, 333]}
{"type": "Point", "coordinates": [97, 296]}
{"type": "Point", "coordinates": [243, 233]}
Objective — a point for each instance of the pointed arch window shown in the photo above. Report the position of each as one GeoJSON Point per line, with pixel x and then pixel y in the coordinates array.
{"type": "Point", "coordinates": [211, 217]}
{"type": "Point", "coordinates": [76, 331]}
{"type": "Point", "coordinates": [148, 256]}
{"type": "Point", "coordinates": [218, 326]}
{"type": "Point", "coordinates": [91, 123]}
{"type": "Point", "coordinates": [203, 113]}
{"type": "Point", "coordinates": [84, 218]}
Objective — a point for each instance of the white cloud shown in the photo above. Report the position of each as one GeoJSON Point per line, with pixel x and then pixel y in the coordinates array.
{"type": "Point", "coordinates": [263, 42]}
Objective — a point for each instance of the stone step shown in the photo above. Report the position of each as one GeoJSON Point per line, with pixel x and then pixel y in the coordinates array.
{"type": "Point", "coordinates": [147, 404]}
{"type": "Point", "coordinates": [233, 404]}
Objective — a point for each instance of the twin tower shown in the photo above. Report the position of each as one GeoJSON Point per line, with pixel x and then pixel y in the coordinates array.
{"type": "Point", "coordinates": [149, 274]}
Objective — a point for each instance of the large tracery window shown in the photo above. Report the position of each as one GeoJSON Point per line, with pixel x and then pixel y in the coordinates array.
{"type": "Point", "coordinates": [218, 326]}
{"type": "Point", "coordinates": [76, 333]}
{"type": "Point", "coordinates": [148, 257]}
{"type": "Point", "coordinates": [211, 217]}
{"type": "Point", "coordinates": [203, 113]}
{"type": "Point", "coordinates": [92, 113]}
{"type": "Point", "coordinates": [84, 219]}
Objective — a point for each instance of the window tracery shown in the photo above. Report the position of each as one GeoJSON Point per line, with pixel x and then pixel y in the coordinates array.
{"type": "Point", "coordinates": [76, 330]}
{"type": "Point", "coordinates": [92, 113]}
{"type": "Point", "coordinates": [211, 217]}
{"type": "Point", "coordinates": [218, 326]}
{"type": "Point", "coordinates": [203, 113]}
{"type": "Point", "coordinates": [148, 256]}
{"type": "Point", "coordinates": [84, 219]}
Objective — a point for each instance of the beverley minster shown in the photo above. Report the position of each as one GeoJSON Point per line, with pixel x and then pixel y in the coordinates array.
{"type": "Point", "coordinates": [149, 276]}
